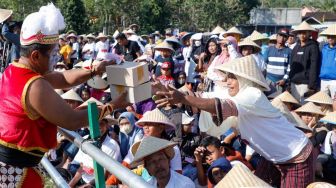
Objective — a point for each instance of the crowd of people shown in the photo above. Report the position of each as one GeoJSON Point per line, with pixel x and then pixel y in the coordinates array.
{"type": "Point", "coordinates": [228, 110]}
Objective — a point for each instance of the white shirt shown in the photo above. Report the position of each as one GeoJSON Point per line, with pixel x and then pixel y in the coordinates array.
{"type": "Point", "coordinates": [109, 146]}
{"type": "Point", "coordinates": [190, 65]}
{"type": "Point", "coordinates": [176, 181]}
{"type": "Point", "coordinates": [75, 47]}
{"type": "Point", "coordinates": [91, 48]}
{"type": "Point", "coordinates": [274, 138]}
{"type": "Point", "coordinates": [102, 46]}
{"type": "Point", "coordinates": [326, 147]}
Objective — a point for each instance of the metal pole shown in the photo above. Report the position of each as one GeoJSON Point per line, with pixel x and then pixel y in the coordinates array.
{"type": "Point", "coordinates": [55, 176]}
{"type": "Point", "coordinates": [111, 165]}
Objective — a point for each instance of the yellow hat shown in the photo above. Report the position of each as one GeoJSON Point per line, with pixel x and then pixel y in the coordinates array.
{"type": "Point", "coordinates": [287, 97]}
{"type": "Point", "coordinates": [310, 108]}
{"type": "Point", "coordinates": [320, 97]}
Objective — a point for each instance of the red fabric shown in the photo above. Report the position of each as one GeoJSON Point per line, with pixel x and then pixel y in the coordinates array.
{"type": "Point", "coordinates": [233, 155]}
{"type": "Point", "coordinates": [17, 129]}
{"type": "Point", "coordinates": [97, 94]}
{"type": "Point", "coordinates": [32, 179]}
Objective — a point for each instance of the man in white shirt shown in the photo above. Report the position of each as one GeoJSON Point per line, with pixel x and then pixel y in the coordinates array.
{"type": "Point", "coordinates": [102, 46]}
{"type": "Point", "coordinates": [108, 146]}
{"type": "Point", "coordinates": [156, 154]}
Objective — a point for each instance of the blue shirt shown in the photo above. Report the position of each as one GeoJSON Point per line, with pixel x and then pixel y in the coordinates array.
{"type": "Point", "coordinates": [328, 65]}
{"type": "Point", "coordinates": [277, 63]}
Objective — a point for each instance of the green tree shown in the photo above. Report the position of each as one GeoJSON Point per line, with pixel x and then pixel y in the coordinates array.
{"type": "Point", "coordinates": [75, 15]}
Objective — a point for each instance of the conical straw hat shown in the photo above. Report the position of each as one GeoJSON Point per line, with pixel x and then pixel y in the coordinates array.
{"type": "Point", "coordinates": [72, 95]}
{"type": "Point", "coordinates": [255, 36]}
{"type": "Point", "coordinates": [277, 103]}
{"type": "Point", "coordinates": [5, 14]}
{"type": "Point", "coordinates": [273, 37]}
{"type": "Point", "coordinates": [218, 29]}
{"type": "Point", "coordinates": [330, 31]}
{"type": "Point", "coordinates": [101, 35]}
{"type": "Point", "coordinates": [164, 45]}
{"type": "Point", "coordinates": [90, 36]}
{"type": "Point", "coordinates": [233, 30]}
{"type": "Point", "coordinates": [247, 68]}
{"type": "Point", "coordinates": [97, 82]}
{"type": "Point", "coordinates": [304, 26]}
{"type": "Point", "coordinates": [329, 118]}
{"type": "Point", "coordinates": [320, 97]}
{"type": "Point", "coordinates": [91, 100]}
{"type": "Point", "coordinates": [155, 116]}
{"type": "Point", "coordinates": [310, 108]}
{"type": "Point", "coordinates": [321, 185]}
{"type": "Point", "coordinates": [287, 97]}
{"type": "Point", "coordinates": [300, 123]}
{"type": "Point", "coordinates": [240, 176]}
{"type": "Point", "coordinates": [149, 145]}
{"type": "Point", "coordinates": [248, 42]}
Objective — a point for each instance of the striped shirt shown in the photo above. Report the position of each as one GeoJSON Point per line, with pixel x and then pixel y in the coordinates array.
{"type": "Point", "coordinates": [277, 63]}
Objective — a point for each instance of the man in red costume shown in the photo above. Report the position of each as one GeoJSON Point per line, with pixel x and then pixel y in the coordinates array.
{"type": "Point", "coordinates": [30, 108]}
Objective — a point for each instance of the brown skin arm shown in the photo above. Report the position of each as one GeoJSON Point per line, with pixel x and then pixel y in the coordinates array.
{"type": "Point", "coordinates": [173, 96]}
{"type": "Point", "coordinates": [47, 103]}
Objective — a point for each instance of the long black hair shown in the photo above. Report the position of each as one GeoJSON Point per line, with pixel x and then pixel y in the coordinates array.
{"type": "Point", "coordinates": [206, 50]}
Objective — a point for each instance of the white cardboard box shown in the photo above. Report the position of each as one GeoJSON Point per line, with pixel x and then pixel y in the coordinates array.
{"type": "Point", "coordinates": [135, 94]}
{"type": "Point", "coordinates": [127, 74]}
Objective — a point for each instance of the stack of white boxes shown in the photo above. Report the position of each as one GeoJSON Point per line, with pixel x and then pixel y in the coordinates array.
{"type": "Point", "coordinates": [131, 77]}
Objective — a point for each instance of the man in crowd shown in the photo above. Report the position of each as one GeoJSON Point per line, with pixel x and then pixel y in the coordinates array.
{"type": "Point", "coordinates": [156, 154]}
{"type": "Point", "coordinates": [30, 108]}
{"type": "Point", "coordinates": [304, 64]}
{"type": "Point", "coordinates": [277, 62]}
{"type": "Point", "coordinates": [130, 50]}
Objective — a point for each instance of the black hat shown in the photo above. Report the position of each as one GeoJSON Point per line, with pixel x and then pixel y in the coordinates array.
{"type": "Point", "coordinates": [283, 31]}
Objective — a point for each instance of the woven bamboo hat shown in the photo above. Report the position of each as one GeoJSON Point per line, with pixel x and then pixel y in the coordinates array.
{"type": "Point", "coordinates": [150, 145]}
{"type": "Point", "coordinates": [71, 35]}
{"type": "Point", "coordinates": [304, 26]}
{"type": "Point", "coordinates": [277, 103]}
{"type": "Point", "coordinates": [320, 97]}
{"type": "Point", "coordinates": [155, 116]}
{"type": "Point", "coordinates": [329, 118]}
{"type": "Point", "coordinates": [330, 31]}
{"type": "Point", "coordinates": [233, 30]}
{"type": "Point", "coordinates": [164, 45]}
{"type": "Point", "coordinates": [90, 36]}
{"type": "Point", "coordinates": [97, 82]}
{"type": "Point", "coordinates": [248, 42]}
{"type": "Point", "coordinates": [101, 35]}
{"type": "Point", "coordinates": [218, 30]}
{"type": "Point", "coordinates": [247, 68]}
{"type": "Point", "coordinates": [310, 108]}
{"type": "Point", "coordinates": [240, 176]}
{"type": "Point", "coordinates": [255, 36]}
{"type": "Point", "coordinates": [5, 14]}
{"type": "Point", "coordinates": [273, 37]}
{"type": "Point", "coordinates": [72, 95]}
{"type": "Point", "coordinates": [287, 97]}
{"type": "Point", "coordinates": [300, 123]}
{"type": "Point", "coordinates": [321, 185]}
{"type": "Point", "coordinates": [91, 100]}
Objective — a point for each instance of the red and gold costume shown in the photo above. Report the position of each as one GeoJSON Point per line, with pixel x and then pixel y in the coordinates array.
{"type": "Point", "coordinates": [24, 135]}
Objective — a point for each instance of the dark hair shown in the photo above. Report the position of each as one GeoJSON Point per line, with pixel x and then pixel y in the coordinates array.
{"type": "Point", "coordinates": [27, 50]}
{"type": "Point", "coordinates": [121, 36]}
{"type": "Point", "coordinates": [214, 40]}
{"type": "Point", "coordinates": [210, 140]}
